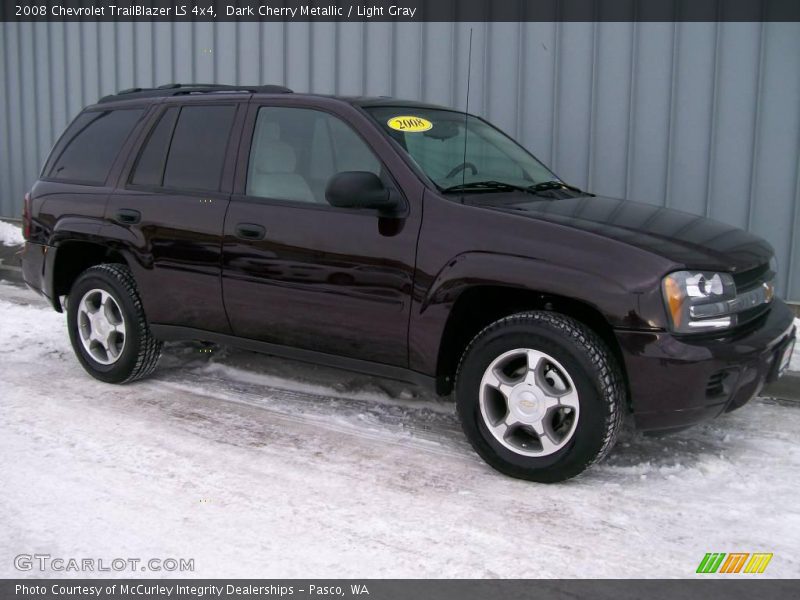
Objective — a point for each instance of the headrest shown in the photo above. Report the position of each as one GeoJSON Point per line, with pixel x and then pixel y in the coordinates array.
{"type": "Point", "coordinates": [268, 130]}
{"type": "Point", "coordinates": [275, 157]}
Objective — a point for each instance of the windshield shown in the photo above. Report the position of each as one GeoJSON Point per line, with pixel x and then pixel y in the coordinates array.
{"type": "Point", "coordinates": [435, 139]}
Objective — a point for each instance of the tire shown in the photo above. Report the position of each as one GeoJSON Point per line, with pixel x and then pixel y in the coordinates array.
{"type": "Point", "coordinates": [133, 352]}
{"type": "Point", "coordinates": [555, 376]}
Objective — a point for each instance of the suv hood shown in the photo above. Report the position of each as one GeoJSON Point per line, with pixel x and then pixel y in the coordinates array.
{"type": "Point", "coordinates": [692, 241]}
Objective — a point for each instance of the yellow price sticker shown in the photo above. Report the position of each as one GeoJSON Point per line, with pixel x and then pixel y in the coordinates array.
{"type": "Point", "coordinates": [409, 124]}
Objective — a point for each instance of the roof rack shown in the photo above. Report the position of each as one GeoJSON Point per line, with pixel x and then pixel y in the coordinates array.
{"type": "Point", "coordinates": [178, 89]}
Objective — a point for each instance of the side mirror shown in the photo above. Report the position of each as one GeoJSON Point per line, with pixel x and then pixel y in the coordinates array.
{"type": "Point", "coordinates": [360, 189]}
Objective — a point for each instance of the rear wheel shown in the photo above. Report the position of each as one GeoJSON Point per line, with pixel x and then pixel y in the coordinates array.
{"type": "Point", "coordinates": [107, 326]}
{"type": "Point", "coordinates": [540, 396]}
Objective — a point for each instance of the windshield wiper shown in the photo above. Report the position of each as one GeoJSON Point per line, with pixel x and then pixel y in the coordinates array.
{"type": "Point", "coordinates": [502, 186]}
{"type": "Point", "coordinates": [486, 186]}
{"type": "Point", "coordinates": [555, 184]}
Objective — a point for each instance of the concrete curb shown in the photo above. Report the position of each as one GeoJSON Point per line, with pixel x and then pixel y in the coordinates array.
{"type": "Point", "coordinates": [786, 388]}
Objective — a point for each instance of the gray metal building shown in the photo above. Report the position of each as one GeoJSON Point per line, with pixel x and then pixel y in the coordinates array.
{"type": "Point", "coordinates": [704, 117]}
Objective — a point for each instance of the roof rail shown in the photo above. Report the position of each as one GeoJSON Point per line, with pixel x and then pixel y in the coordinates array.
{"type": "Point", "coordinates": [177, 89]}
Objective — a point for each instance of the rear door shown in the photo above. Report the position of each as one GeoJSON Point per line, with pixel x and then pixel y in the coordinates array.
{"type": "Point", "coordinates": [169, 210]}
{"type": "Point", "coordinates": [300, 272]}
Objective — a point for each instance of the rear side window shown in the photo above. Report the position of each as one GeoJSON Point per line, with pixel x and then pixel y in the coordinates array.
{"type": "Point", "coordinates": [198, 147]}
{"type": "Point", "coordinates": [91, 144]}
{"type": "Point", "coordinates": [150, 166]}
{"type": "Point", "coordinates": [186, 149]}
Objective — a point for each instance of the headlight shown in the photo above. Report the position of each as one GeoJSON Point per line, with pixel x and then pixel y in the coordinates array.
{"type": "Point", "coordinates": [700, 300]}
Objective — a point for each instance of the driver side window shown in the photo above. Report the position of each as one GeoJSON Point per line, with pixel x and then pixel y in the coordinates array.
{"type": "Point", "coordinates": [296, 151]}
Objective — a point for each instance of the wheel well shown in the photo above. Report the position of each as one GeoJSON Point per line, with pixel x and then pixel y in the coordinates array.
{"type": "Point", "coordinates": [479, 306]}
{"type": "Point", "coordinates": [74, 258]}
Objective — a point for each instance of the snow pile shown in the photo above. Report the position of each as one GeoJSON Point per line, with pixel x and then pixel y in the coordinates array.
{"type": "Point", "coordinates": [255, 466]}
{"type": "Point", "coordinates": [10, 234]}
{"type": "Point", "coordinates": [795, 364]}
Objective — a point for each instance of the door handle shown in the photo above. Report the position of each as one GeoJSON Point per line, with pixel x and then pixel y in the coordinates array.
{"type": "Point", "coordinates": [250, 231]}
{"type": "Point", "coordinates": [128, 216]}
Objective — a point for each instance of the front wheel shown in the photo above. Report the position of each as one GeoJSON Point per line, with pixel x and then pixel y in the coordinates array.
{"type": "Point", "coordinates": [107, 327]}
{"type": "Point", "coordinates": [540, 396]}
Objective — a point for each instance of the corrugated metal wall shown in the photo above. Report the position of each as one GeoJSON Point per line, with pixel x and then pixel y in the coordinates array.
{"type": "Point", "coordinates": [704, 117]}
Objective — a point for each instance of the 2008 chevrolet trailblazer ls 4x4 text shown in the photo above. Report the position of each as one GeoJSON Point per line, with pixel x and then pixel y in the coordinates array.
{"type": "Point", "coordinates": [404, 240]}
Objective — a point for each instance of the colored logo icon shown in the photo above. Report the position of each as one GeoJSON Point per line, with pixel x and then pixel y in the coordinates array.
{"type": "Point", "coordinates": [734, 562]}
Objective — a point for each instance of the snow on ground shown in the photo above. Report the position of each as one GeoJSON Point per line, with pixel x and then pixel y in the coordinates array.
{"type": "Point", "coordinates": [255, 466]}
{"type": "Point", "coordinates": [10, 234]}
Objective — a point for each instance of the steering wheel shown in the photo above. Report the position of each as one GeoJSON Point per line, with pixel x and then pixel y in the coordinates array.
{"type": "Point", "coordinates": [461, 167]}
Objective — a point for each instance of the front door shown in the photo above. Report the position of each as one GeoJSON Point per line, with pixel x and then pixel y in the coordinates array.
{"type": "Point", "coordinates": [300, 272]}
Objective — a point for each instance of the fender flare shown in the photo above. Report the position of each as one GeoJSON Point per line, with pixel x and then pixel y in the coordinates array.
{"type": "Point", "coordinates": [471, 269]}
{"type": "Point", "coordinates": [609, 297]}
{"type": "Point", "coordinates": [80, 230]}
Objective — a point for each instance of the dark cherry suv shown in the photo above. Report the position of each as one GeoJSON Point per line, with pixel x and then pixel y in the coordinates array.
{"type": "Point", "coordinates": [404, 240]}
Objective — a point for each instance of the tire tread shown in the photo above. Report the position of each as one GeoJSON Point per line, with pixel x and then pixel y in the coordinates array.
{"type": "Point", "coordinates": [608, 374]}
{"type": "Point", "coordinates": [149, 346]}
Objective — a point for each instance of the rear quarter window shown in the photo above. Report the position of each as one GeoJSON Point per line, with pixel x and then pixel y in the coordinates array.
{"type": "Point", "coordinates": [90, 145]}
{"type": "Point", "coordinates": [150, 166]}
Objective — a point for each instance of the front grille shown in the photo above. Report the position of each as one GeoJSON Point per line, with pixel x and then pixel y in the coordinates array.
{"type": "Point", "coordinates": [751, 278]}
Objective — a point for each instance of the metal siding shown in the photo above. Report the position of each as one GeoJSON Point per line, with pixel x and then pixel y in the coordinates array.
{"type": "Point", "coordinates": [437, 71]}
{"type": "Point", "coordinates": [612, 108]}
{"type": "Point", "coordinates": [574, 88]}
{"type": "Point", "coordinates": [27, 94]}
{"type": "Point", "coordinates": [378, 59]}
{"type": "Point", "coordinates": [502, 73]}
{"type": "Point", "coordinates": [537, 101]}
{"type": "Point", "coordinates": [13, 164]}
{"type": "Point", "coordinates": [691, 119]}
{"type": "Point", "coordinates": [704, 117]}
{"type": "Point", "coordinates": [323, 57]}
{"type": "Point", "coordinates": [775, 190]}
{"type": "Point", "coordinates": [734, 142]}
{"type": "Point", "coordinates": [248, 45]}
{"type": "Point", "coordinates": [407, 53]}
{"type": "Point", "coordinates": [651, 113]}
{"type": "Point", "coordinates": [350, 58]}
{"type": "Point", "coordinates": [204, 49]}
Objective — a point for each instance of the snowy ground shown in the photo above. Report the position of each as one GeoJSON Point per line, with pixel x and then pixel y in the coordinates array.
{"type": "Point", "coordinates": [255, 466]}
{"type": "Point", "coordinates": [10, 234]}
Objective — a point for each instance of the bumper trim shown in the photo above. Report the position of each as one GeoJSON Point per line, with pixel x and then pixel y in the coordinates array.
{"type": "Point", "coordinates": [668, 375]}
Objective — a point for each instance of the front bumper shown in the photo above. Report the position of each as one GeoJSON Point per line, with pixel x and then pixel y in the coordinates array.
{"type": "Point", "coordinates": [677, 381]}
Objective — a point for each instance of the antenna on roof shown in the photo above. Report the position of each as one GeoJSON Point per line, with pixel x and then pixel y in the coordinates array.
{"type": "Point", "coordinates": [466, 109]}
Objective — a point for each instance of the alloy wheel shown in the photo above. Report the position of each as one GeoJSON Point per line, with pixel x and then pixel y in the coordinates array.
{"type": "Point", "coordinates": [101, 326]}
{"type": "Point", "coordinates": [528, 402]}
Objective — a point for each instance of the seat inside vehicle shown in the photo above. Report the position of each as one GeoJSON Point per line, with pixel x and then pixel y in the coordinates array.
{"type": "Point", "coordinates": [273, 164]}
